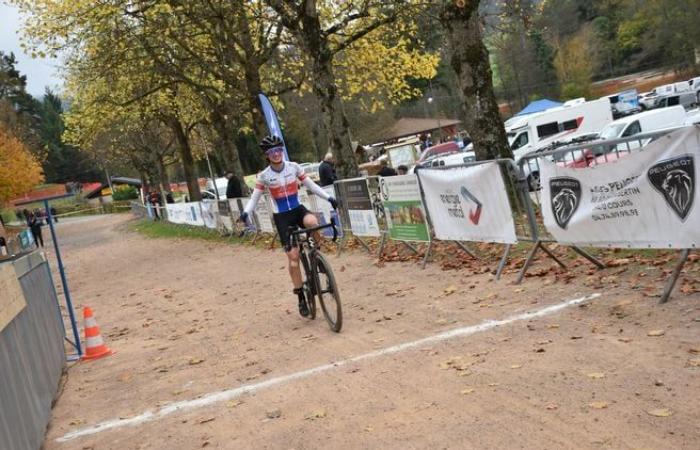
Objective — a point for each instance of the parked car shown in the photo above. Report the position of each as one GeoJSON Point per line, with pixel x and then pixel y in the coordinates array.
{"type": "Point", "coordinates": [311, 169]}
{"type": "Point", "coordinates": [447, 160]}
{"type": "Point", "coordinates": [624, 103]}
{"type": "Point", "coordinates": [686, 99]}
{"type": "Point", "coordinates": [646, 99]}
{"type": "Point", "coordinates": [221, 185]}
{"type": "Point", "coordinates": [439, 149]}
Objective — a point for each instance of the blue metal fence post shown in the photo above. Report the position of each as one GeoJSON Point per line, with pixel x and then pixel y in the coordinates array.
{"type": "Point", "coordinates": [64, 281]}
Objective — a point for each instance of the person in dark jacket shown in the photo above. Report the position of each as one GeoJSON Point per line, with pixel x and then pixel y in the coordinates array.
{"type": "Point", "coordinates": [233, 188]}
{"type": "Point", "coordinates": [35, 227]}
{"type": "Point", "coordinates": [326, 171]}
{"type": "Point", "coordinates": [386, 171]}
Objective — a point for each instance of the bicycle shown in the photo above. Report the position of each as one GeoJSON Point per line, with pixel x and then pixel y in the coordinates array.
{"type": "Point", "coordinates": [318, 275]}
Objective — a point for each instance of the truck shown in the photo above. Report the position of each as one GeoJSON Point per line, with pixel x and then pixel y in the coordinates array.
{"type": "Point", "coordinates": [565, 123]}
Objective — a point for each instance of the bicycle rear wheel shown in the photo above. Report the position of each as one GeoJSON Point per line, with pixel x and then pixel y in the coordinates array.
{"type": "Point", "coordinates": [327, 291]}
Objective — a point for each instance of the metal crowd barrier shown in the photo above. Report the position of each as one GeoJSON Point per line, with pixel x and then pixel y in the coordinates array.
{"type": "Point", "coordinates": [373, 204]}
{"type": "Point", "coordinates": [522, 227]}
{"type": "Point", "coordinates": [588, 154]}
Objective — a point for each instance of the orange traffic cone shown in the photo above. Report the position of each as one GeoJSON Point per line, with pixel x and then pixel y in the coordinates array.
{"type": "Point", "coordinates": [94, 345]}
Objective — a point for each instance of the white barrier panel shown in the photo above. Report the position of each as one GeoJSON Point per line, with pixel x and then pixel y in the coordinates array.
{"type": "Point", "coordinates": [403, 208]}
{"type": "Point", "coordinates": [225, 214]}
{"type": "Point", "coordinates": [263, 212]}
{"type": "Point", "coordinates": [324, 210]}
{"type": "Point", "coordinates": [210, 213]}
{"type": "Point", "coordinates": [355, 193]}
{"type": "Point", "coordinates": [468, 204]}
{"type": "Point", "coordinates": [643, 200]}
{"type": "Point", "coordinates": [185, 213]}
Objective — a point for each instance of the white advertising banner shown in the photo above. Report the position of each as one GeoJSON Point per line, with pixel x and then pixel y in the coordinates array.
{"type": "Point", "coordinates": [185, 213]}
{"type": "Point", "coordinates": [468, 204]}
{"type": "Point", "coordinates": [263, 212]}
{"type": "Point", "coordinates": [210, 213]}
{"type": "Point", "coordinates": [642, 200]}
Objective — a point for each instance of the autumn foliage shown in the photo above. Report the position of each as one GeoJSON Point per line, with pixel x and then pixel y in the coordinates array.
{"type": "Point", "coordinates": [19, 170]}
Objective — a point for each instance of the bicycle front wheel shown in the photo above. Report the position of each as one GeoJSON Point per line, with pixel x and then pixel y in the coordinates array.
{"type": "Point", "coordinates": [327, 292]}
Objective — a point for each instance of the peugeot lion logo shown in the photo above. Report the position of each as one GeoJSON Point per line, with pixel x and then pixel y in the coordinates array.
{"type": "Point", "coordinates": [566, 194]}
{"type": "Point", "coordinates": [675, 180]}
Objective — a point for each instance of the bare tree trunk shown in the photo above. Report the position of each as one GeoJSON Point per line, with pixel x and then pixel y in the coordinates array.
{"type": "Point", "coordinates": [334, 120]}
{"type": "Point", "coordinates": [187, 160]}
{"type": "Point", "coordinates": [325, 88]}
{"type": "Point", "coordinates": [470, 61]}
{"type": "Point", "coordinates": [226, 143]}
{"type": "Point", "coordinates": [162, 174]}
{"type": "Point", "coordinates": [252, 75]}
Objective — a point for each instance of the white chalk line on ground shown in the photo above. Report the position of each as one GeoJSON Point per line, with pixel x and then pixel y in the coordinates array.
{"type": "Point", "coordinates": [228, 394]}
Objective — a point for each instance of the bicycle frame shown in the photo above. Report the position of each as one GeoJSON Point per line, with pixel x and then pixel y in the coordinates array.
{"type": "Point", "coordinates": [300, 238]}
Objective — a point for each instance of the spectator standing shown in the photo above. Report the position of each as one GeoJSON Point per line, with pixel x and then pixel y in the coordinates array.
{"type": "Point", "coordinates": [155, 201]}
{"type": "Point", "coordinates": [326, 171]}
{"type": "Point", "coordinates": [386, 171]}
{"type": "Point", "coordinates": [53, 214]}
{"type": "Point", "coordinates": [233, 187]}
{"type": "Point", "coordinates": [169, 198]}
{"type": "Point", "coordinates": [35, 228]}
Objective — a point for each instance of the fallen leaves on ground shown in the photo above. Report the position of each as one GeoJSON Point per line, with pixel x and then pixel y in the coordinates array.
{"type": "Point", "coordinates": [656, 333]}
{"type": "Point", "coordinates": [320, 414]}
{"type": "Point", "coordinates": [449, 290]}
{"type": "Point", "coordinates": [274, 414]}
{"type": "Point", "coordinates": [695, 362]}
{"type": "Point", "coordinates": [660, 412]}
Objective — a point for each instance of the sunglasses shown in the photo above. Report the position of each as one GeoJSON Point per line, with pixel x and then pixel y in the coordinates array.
{"type": "Point", "coordinates": [274, 151]}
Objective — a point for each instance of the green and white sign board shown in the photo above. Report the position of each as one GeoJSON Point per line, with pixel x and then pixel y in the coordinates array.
{"type": "Point", "coordinates": [403, 207]}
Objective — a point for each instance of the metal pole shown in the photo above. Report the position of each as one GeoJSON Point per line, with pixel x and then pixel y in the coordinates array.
{"type": "Point", "coordinates": [109, 181]}
{"type": "Point", "coordinates": [427, 254]}
{"type": "Point", "coordinates": [528, 261]}
{"type": "Point", "coordinates": [465, 249]}
{"type": "Point", "coordinates": [381, 245]}
{"type": "Point", "coordinates": [674, 276]}
{"type": "Point", "coordinates": [211, 173]}
{"type": "Point", "coordinates": [502, 263]}
{"type": "Point", "coordinates": [64, 281]}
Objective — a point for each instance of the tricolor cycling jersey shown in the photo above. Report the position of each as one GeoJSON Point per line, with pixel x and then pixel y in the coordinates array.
{"type": "Point", "coordinates": [283, 187]}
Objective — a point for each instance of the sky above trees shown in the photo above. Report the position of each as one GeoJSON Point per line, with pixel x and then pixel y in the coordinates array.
{"type": "Point", "coordinates": [40, 72]}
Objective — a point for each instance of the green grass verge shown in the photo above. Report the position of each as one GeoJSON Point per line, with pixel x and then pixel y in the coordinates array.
{"type": "Point", "coordinates": [165, 230]}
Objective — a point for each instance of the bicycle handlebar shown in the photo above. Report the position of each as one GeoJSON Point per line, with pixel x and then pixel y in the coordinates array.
{"type": "Point", "coordinates": [320, 227]}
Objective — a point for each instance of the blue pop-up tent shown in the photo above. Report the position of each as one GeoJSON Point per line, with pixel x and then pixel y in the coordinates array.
{"type": "Point", "coordinates": [537, 106]}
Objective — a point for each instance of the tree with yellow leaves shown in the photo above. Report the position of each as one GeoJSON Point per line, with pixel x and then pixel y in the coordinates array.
{"type": "Point", "coordinates": [19, 170]}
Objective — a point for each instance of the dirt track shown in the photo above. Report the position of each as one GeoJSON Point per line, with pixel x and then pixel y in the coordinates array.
{"type": "Point", "coordinates": [188, 318]}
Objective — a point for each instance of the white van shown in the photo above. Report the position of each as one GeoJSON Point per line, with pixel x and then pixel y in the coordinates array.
{"type": "Point", "coordinates": [557, 124]}
{"type": "Point", "coordinates": [644, 122]}
{"type": "Point", "coordinates": [210, 193]}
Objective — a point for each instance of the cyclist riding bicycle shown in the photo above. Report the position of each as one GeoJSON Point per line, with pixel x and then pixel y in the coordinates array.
{"type": "Point", "coordinates": [280, 178]}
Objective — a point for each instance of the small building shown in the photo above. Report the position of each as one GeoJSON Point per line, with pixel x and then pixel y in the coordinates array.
{"type": "Point", "coordinates": [102, 194]}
